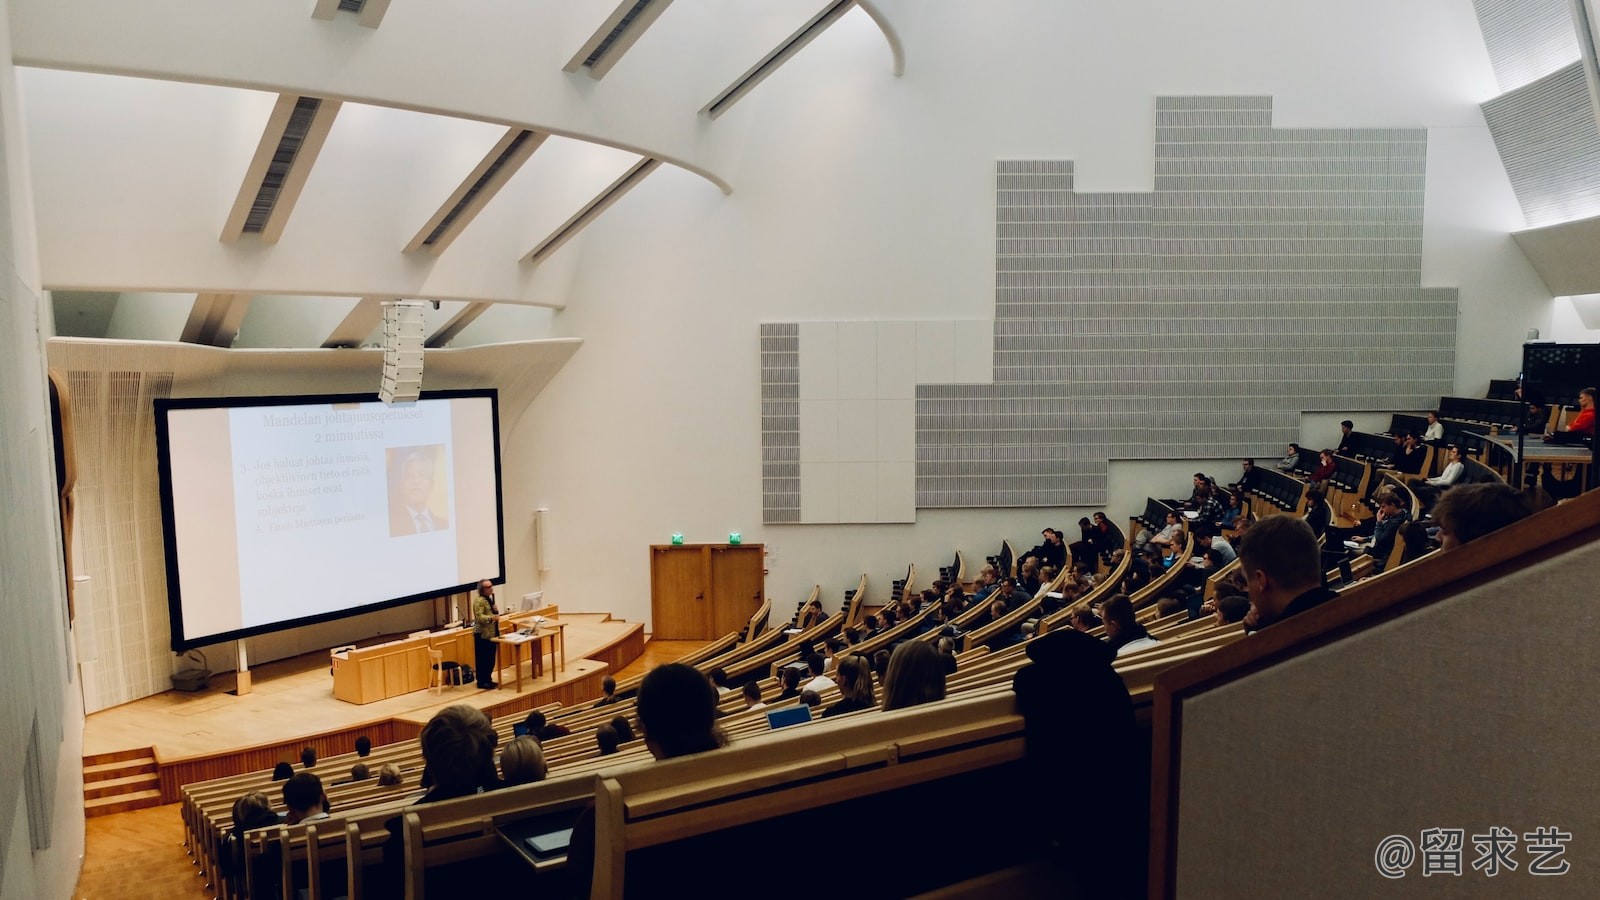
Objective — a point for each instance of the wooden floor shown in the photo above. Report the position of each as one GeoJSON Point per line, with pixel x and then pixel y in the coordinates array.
{"type": "Point", "coordinates": [138, 855]}
{"type": "Point", "coordinates": [294, 697]}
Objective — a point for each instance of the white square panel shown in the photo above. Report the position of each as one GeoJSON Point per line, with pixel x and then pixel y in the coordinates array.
{"type": "Point", "coordinates": [897, 431]}
{"type": "Point", "coordinates": [858, 492]}
{"type": "Point", "coordinates": [858, 431]}
{"type": "Point", "coordinates": [858, 360]}
{"type": "Point", "coordinates": [819, 431]}
{"type": "Point", "coordinates": [897, 492]}
{"type": "Point", "coordinates": [936, 352]}
{"type": "Point", "coordinates": [897, 360]}
{"type": "Point", "coordinates": [819, 361]}
{"type": "Point", "coordinates": [819, 492]}
{"type": "Point", "coordinates": [974, 353]}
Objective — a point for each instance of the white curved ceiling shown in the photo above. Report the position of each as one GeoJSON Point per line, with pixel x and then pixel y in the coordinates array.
{"type": "Point", "coordinates": [143, 120]}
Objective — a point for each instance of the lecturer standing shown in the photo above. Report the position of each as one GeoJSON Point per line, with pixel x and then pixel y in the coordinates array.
{"type": "Point", "coordinates": [485, 628]}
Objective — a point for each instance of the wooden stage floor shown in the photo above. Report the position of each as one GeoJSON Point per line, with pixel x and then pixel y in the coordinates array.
{"type": "Point", "coordinates": [294, 697]}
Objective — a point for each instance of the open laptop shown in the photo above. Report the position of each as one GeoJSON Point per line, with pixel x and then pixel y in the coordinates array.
{"type": "Point", "coordinates": [793, 715]}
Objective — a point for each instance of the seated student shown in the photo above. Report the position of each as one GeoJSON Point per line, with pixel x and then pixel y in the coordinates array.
{"type": "Point", "coordinates": [1346, 442]}
{"type": "Point", "coordinates": [1392, 516]}
{"type": "Point", "coordinates": [880, 664]}
{"type": "Point", "coordinates": [608, 686]}
{"type": "Point", "coordinates": [1435, 429]}
{"type": "Point", "coordinates": [606, 738]}
{"type": "Point", "coordinates": [1008, 593]}
{"type": "Point", "coordinates": [916, 675]}
{"type": "Point", "coordinates": [522, 761]}
{"type": "Point", "coordinates": [817, 666]}
{"type": "Point", "coordinates": [1082, 550]}
{"type": "Point", "coordinates": [1207, 506]}
{"type": "Point", "coordinates": [1028, 578]}
{"type": "Point", "coordinates": [1318, 515]}
{"type": "Point", "coordinates": [1283, 567]}
{"type": "Point", "coordinates": [1291, 458]}
{"type": "Point", "coordinates": [1429, 489]}
{"type": "Point", "coordinates": [1326, 467]}
{"type": "Point", "coordinates": [253, 810]}
{"type": "Point", "coordinates": [1537, 418]}
{"type": "Point", "coordinates": [1050, 551]}
{"type": "Point", "coordinates": [719, 677]}
{"type": "Point", "coordinates": [458, 751]}
{"type": "Point", "coordinates": [1084, 620]}
{"type": "Point", "coordinates": [389, 775]}
{"type": "Point", "coordinates": [282, 771]}
{"type": "Point", "coordinates": [308, 757]}
{"type": "Point", "coordinates": [1471, 511]}
{"type": "Point", "coordinates": [1231, 608]}
{"type": "Point", "coordinates": [1232, 509]}
{"type": "Point", "coordinates": [1206, 538]}
{"type": "Point", "coordinates": [304, 799]}
{"type": "Point", "coordinates": [1249, 478]}
{"type": "Point", "coordinates": [1124, 634]}
{"type": "Point", "coordinates": [812, 615]}
{"type": "Point", "coordinates": [539, 728]}
{"type": "Point", "coordinates": [988, 580]}
{"type": "Point", "coordinates": [1171, 557]}
{"type": "Point", "coordinates": [752, 695]}
{"type": "Point", "coordinates": [363, 746]}
{"type": "Point", "coordinates": [791, 684]}
{"type": "Point", "coordinates": [1108, 538]}
{"type": "Point", "coordinates": [810, 698]}
{"type": "Point", "coordinates": [624, 731]}
{"type": "Point", "coordinates": [855, 687]}
{"type": "Point", "coordinates": [1581, 427]}
{"type": "Point", "coordinates": [1412, 453]}
{"type": "Point", "coordinates": [1414, 540]}
{"type": "Point", "coordinates": [677, 709]}
{"type": "Point", "coordinates": [358, 772]}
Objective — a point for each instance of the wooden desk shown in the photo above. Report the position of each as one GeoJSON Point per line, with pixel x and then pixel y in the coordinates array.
{"type": "Point", "coordinates": [370, 674]}
{"type": "Point", "coordinates": [552, 632]}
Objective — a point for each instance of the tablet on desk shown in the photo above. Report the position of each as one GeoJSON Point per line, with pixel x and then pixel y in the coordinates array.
{"type": "Point", "coordinates": [550, 844]}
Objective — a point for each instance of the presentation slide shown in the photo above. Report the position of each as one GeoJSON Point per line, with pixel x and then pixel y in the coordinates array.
{"type": "Point", "coordinates": [285, 511]}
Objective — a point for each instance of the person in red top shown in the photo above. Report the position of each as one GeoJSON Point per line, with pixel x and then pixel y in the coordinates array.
{"type": "Point", "coordinates": [1582, 425]}
{"type": "Point", "coordinates": [1327, 468]}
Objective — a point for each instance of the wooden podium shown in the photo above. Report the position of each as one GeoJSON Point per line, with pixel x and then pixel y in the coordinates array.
{"type": "Point", "coordinates": [700, 592]}
{"type": "Point", "coordinates": [369, 674]}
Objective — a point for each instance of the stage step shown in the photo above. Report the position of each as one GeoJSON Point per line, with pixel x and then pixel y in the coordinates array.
{"type": "Point", "coordinates": [120, 781]}
{"type": "Point", "coordinates": [105, 806]}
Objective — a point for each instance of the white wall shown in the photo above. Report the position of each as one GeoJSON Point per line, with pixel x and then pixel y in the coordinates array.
{"type": "Point", "coordinates": [859, 196]}
{"type": "Point", "coordinates": [37, 685]}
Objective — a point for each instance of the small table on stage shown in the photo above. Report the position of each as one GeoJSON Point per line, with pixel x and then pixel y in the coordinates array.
{"type": "Point", "coordinates": [550, 631]}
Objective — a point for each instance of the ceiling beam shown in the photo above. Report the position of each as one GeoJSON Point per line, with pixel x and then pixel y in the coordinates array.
{"type": "Point", "coordinates": [626, 24]}
{"type": "Point", "coordinates": [358, 324]}
{"type": "Point", "coordinates": [370, 15]}
{"type": "Point", "coordinates": [592, 210]}
{"type": "Point", "coordinates": [215, 318]}
{"type": "Point", "coordinates": [514, 148]}
{"type": "Point", "coordinates": [781, 54]}
{"type": "Point", "coordinates": [289, 145]}
{"type": "Point", "coordinates": [456, 324]}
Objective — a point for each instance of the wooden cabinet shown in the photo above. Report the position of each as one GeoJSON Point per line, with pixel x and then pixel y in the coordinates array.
{"type": "Point", "coordinates": [700, 592]}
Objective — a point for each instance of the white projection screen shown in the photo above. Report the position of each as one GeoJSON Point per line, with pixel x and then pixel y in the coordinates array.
{"type": "Point", "coordinates": [284, 511]}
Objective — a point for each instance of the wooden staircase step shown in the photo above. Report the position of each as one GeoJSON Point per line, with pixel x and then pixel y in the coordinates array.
{"type": "Point", "coordinates": [96, 759]}
{"type": "Point", "coordinates": [105, 806]}
{"type": "Point", "coordinates": [110, 770]}
{"type": "Point", "coordinates": [115, 787]}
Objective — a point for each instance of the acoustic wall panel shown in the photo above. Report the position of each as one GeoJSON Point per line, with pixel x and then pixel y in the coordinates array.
{"type": "Point", "coordinates": [1527, 39]}
{"type": "Point", "coordinates": [1550, 146]}
{"type": "Point", "coordinates": [1270, 271]}
{"type": "Point", "coordinates": [780, 423]}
